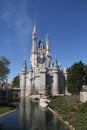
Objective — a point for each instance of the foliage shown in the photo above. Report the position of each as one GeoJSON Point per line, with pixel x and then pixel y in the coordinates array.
{"type": "Point", "coordinates": [76, 77]}
{"type": "Point", "coordinates": [15, 96]}
{"type": "Point", "coordinates": [6, 109]}
{"type": "Point", "coordinates": [4, 70]}
{"type": "Point", "coordinates": [83, 108]}
{"type": "Point", "coordinates": [71, 110]}
{"type": "Point", "coordinates": [15, 82]}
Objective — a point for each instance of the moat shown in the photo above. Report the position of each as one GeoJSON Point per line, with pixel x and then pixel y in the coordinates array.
{"type": "Point", "coordinates": [30, 116]}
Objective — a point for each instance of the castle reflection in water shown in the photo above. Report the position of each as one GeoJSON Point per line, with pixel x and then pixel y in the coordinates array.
{"type": "Point", "coordinates": [34, 117]}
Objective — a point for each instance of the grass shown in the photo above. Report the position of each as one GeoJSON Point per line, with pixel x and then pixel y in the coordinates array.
{"type": "Point", "coordinates": [72, 110]}
{"type": "Point", "coordinates": [5, 109]}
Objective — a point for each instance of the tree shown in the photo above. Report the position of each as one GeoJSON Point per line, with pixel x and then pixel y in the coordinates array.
{"type": "Point", "coordinates": [15, 82]}
{"type": "Point", "coordinates": [4, 70]}
{"type": "Point", "coordinates": [76, 77]}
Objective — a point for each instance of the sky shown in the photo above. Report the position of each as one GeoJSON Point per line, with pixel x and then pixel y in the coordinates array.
{"type": "Point", "coordinates": [65, 21]}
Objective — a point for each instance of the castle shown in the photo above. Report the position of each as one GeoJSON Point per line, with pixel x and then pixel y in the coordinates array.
{"type": "Point", "coordinates": [45, 77]}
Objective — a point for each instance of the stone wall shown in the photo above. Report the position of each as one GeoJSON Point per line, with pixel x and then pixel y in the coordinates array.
{"type": "Point", "coordinates": [83, 96]}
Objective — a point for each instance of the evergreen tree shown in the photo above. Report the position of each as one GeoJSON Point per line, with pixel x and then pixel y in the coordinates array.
{"type": "Point", "coordinates": [4, 70]}
{"type": "Point", "coordinates": [77, 76]}
{"type": "Point", "coordinates": [15, 82]}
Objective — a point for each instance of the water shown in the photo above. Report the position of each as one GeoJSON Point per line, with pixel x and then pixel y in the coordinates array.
{"type": "Point", "coordinates": [31, 116]}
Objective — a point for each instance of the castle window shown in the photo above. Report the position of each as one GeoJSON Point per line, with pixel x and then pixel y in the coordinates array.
{"type": "Point", "coordinates": [41, 45]}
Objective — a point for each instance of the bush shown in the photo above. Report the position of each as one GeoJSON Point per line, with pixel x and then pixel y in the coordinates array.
{"type": "Point", "coordinates": [74, 112]}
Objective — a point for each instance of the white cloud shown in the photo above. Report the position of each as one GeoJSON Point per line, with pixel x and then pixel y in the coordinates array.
{"type": "Point", "coordinates": [17, 28]}
{"type": "Point", "coordinates": [16, 18]}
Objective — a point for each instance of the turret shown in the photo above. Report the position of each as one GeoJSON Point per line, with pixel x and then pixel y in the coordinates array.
{"type": "Point", "coordinates": [28, 84]}
{"type": "Point", "coordinates": [34, 39]}
{"type": "Point", "coordinates": [65, 74]}
{"type": "Point", "coordinates": [55, 89]}
{"type": "Point", "coordinates": [47, 45]}
{"type": "Point", "coordinates": [33, 58]}
{"type": "Point", "coordinates": [23, 79]}
{"type": "Point", "coordinates": [24, 68]}
{"type": "Point", "coordinates": [55, 64]}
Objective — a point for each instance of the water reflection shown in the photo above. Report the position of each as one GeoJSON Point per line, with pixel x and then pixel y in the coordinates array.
{"type": "Point", "coordinates": [30, 116]}
{"type": "Point", "coordinates": [35, 117]}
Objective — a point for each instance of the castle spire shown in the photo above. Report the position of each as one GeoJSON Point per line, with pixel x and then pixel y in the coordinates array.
{"type": "Point", "coordinates": [56, 63]}
{"type": "Point", "coordinates": [47, 44]}
{"type": "Point", "coordinates": [24, 65]}
{"type": "Point", "coordinates": [34, 30]}
{"type": "Point", "coordinates": [24, 68]}
{"type": "Point", "coordinates": [33, 58]}
{"type": "Point", "coordinates": [34, 39]}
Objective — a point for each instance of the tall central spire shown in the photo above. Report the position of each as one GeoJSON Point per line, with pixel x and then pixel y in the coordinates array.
{"type": "Point", "coordinates": [47, 45]}
{"type": "Point", "coordinates": [33, 58]}
{"type": "Point", "coordinates": [34, 39]}
{"type": "Point", "coordinates": [34, 30]}
{"type": "Point", "coordinates": [47, 41]}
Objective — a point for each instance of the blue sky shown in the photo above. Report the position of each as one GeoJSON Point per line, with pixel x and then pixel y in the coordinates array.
{"type": "Point", "coordinates": [65, 21]}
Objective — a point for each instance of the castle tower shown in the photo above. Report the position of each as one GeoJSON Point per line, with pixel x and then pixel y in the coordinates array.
{"type": "Point", "coordinates": [28, 83]}
{"type": "Point", "coordinates": [23, 79]}
{"type": "Point", "coordinates": [42, 81]}
{"type": "Point", "coordinates": [47, 45]}
{"type": "Point", "coordinates": [33, 58]}
{"type": "Point", "coordinates": [65, 73]}
{"type": "Point", "coordinates": [34, 39]}
{"type": "Point", "coordinates": [44, 77]}
{"type": "Point", "coordinates": [55, 89]}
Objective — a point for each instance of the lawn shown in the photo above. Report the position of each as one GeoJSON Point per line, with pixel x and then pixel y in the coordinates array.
{"type": "Point", "coordinates": [72, 110]}
{"type": "Point", "coordinates": [5, 109]}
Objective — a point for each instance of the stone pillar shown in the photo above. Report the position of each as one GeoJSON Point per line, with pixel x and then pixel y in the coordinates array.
{"type": "Point", "coordinates": [37, 84]}
{"type": "Point", "coordinates": [65, 73]}
{"type": "Point", "coordinates": [83, 96]}
{"type": "Point", "coordinates": [42, 81]}
{"type": "Point", "coordinates": [55, 89]}
{"type": "Point", "coordinates": [28, 84]}
{"type": "Point", "coordinates": [23, 79]}
{"type": "Point", "coordinates": [23, 85]}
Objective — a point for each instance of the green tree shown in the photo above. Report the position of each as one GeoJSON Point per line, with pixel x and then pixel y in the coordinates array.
{"type": "Point", "coordinates": [76, 77]}
{"type": "Point", "coordinates": [15, 82]}
{"type": "Point", "coordinates": [4, 70]}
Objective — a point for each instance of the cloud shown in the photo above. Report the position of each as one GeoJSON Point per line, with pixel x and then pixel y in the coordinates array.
{"type": "Point", "coordinates": [15, 14]}
{"type": "Point", "coordinates": [15, 32]}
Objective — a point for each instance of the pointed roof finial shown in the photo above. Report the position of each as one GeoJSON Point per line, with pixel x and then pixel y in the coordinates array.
{"type": "Point", "coordinates": [47, 39]}
{"type": "Point", "coordinates": [24, 65]}
{"type": "Point", "coordinates": [56, 63]}
{"type": "Point", "coordinates": [47, 42]}
{"type": "Point", "coordinates": [34, 30]}
{"type": "Point", "coordinates": [24, 68]}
